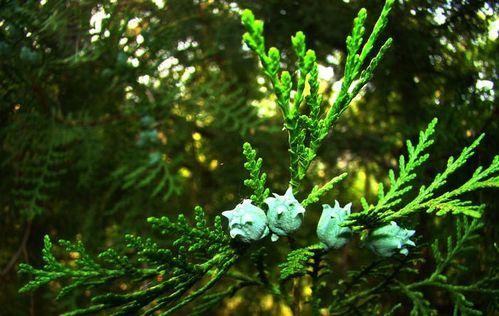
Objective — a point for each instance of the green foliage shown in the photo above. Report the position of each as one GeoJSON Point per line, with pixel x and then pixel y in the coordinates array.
{"type": "Point", "coordinates": [258, 178]}
{"type": "Point", "coordinates": [355, 77]}
{"type": "Point", "coordinates": [317, 191]}
{"type": "Point", "coordinates": [466, 232]}
{"type": "Point", "coordinates": [306, 132]}
{"type": "Point", "coordinates": [363, 286]}
{"type": "Point", "coordinates": [356, 289]}
{"type": "Point", "coordinates": [224, 103]}
{"type": "Point", "coordinates": [40, 159]}
{"type": "Point", "coordinates": [399, 186]}
{"type": "Point", "coordinates": [388, 206]}
{"type": "Point", "coordinates": [481, 178]}
{"type": "Point", "coordinates": [155, 173]}
{"type": "Point", "coordinates": [183, 123]}
{"type": "Point", "coordinates": [197, 251]}
{"type": "Point", "coordinates": [299, 261]}
{"type": "Point", "coordinates": [41, 173]}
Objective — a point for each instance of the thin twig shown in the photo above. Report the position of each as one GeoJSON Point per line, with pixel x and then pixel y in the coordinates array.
{"type": "Point", "coordinates": [15, 257]}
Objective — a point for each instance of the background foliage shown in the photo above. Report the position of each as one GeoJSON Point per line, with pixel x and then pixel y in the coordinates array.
{"type": "Point", "coordinates": [112, 112]}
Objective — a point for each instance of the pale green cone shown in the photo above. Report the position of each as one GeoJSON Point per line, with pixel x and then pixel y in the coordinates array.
{"type": "Point", "coordinates": [247, 222]}
{"type": "Point", "coordinates": [329, 229]}
{"type": "Point", "coordinates": [285, 214]}
{"type": "Point", "coordinates": [389, 240]}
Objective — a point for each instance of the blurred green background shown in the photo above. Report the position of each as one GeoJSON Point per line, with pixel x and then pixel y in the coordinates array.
{"type": "Point", "coordinates": [115, 111]}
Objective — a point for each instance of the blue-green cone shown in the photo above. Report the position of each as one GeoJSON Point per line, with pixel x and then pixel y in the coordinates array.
{"type": "Point", "coordinates": [329, 229]}
{"type": "Point", "coordinates": [389, 240]}
{"type": "Point", "coordinates": [247, 222]}
{"type": "Point", "coordinates": [285, 214]}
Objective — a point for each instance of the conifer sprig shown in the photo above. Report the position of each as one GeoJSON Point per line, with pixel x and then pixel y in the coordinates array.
{"type": "Point", "coordinates": [162, 279]}
{"type": "Point", "coordinates": [298, 261]}
{"type": "Point", "coordinates": [400, 185]}
{"type": "Point", "coordinates": [307, 131]}
{"type": "Point", "coordinates": [390, 207]}
{"type": "Point", "coordinates": [445, 203]}
{"type": "Point", "coordinates": [318, 191]}
{"type": "Point", "coordinates": [198, 251]}
{"type": "Point", "coordinates": [257, 179]}
{"type": "Point", "coordinates": [466, 232]}
{"type": "Point", "coordinates": [353, 78]}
